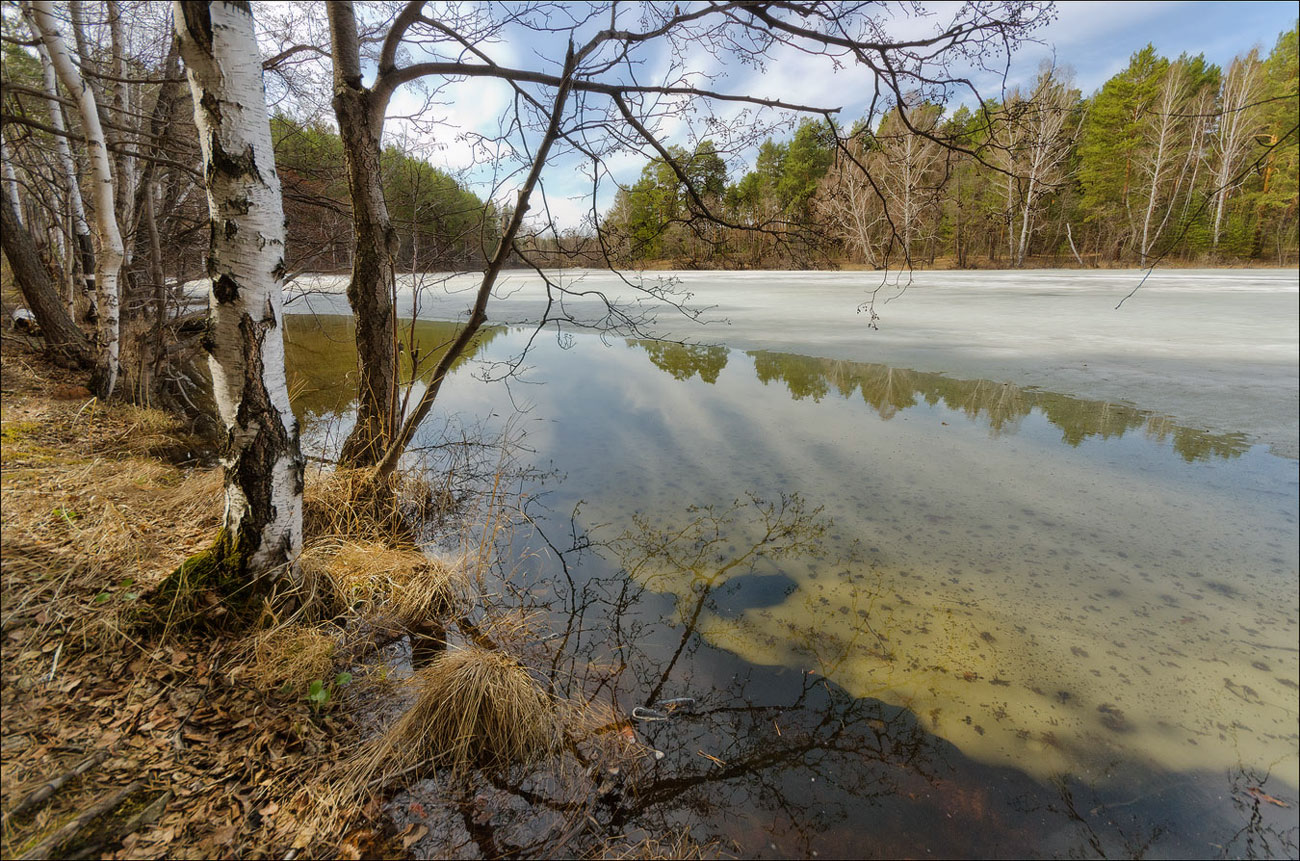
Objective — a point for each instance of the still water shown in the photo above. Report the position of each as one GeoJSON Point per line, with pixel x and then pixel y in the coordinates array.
{"type": "Point", "coordinates": [920, 614]}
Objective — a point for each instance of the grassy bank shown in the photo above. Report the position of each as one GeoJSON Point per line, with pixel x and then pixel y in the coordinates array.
{"type": "Point", "coordinates": [100, 502]}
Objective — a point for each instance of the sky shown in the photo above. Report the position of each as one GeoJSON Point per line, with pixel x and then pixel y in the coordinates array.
{"type": "Point", "coordinates": [1095, 39]}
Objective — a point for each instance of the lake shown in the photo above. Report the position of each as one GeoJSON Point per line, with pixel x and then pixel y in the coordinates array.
{"type": "Point", "coordinates": [1014, 573]}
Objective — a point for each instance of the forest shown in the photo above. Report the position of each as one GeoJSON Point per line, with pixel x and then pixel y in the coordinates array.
{"type": "Point", "coordinates": [1170, 160]}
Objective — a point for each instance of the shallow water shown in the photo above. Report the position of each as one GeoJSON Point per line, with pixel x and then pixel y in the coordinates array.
{"type": "Point", "coordinates": [907, 601]}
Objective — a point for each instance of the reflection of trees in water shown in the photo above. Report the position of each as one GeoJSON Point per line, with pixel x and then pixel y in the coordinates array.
{"type": "Point", "coordinates": [1000, 405]}
{"type": "Point", "coordinates": [794, 757]}
{"type": "Point", "coordinates": [769, 756]}
{"type": "Point", "coordinates": [321, 357]}
{"type": "Point", "coordinates": [684, 361]}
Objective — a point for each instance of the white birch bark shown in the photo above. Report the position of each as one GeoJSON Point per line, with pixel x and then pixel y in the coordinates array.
{"type": "Point", "coordinates": [1236, 129]}
{"type": "Point", "coordinates": [1047, 148]}
{"type": "Point", "coordinates": [110, 253]}
{"type": "Point", "coordinates": [80, 227]}
{"type": "Point", "coordinates": [1167, 120]}
{"type": "Point", "coordinates": [10, 177]}
{"type": "Point", "coordinates": [263, 517]}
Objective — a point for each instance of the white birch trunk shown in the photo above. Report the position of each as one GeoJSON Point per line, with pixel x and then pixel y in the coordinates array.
{"type": "Point", "coordinates": [1236, 129]}
{"type": "Point", "coordinates": [80, 227]}
{"type": "Point", "coordinates": [110, 254]}
{"type": "Point", "coordinates": [263, 465]}
{"type": "Point", "coordinates": [1170, 96]}
{"type": "Point", "coordinates": [10, 178]}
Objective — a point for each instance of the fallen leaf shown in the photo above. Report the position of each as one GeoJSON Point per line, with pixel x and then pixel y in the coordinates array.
{"type": "Point", "coordinates": [414, 835]}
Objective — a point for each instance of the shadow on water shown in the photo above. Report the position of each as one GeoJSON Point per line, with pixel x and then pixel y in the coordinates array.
{"type": "Point", "coordinates": [778, 762]}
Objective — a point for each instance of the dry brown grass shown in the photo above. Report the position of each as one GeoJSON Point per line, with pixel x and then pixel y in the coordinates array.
{"type": "Point", "coordinates": [292, 656]}
{"type": "Point", "coordinates": [378, 581]}
{"type": "Point", "coordinates": [675, 844]}
{"type": "Point", "coordinates": [87, 510]}
{"type": "Point", "coordinates": [340, 503]}
{"type": "Point", "coordinates": [473, 707]}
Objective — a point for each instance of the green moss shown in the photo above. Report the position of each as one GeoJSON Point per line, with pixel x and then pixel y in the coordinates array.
{"type": "Point", "coordinates": [13, 432]}
{"type": "Point", "coordinates": [184, 597]}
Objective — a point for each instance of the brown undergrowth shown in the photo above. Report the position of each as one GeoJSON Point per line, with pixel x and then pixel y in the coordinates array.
{"type": "Point", "coordinates": [281, 741]}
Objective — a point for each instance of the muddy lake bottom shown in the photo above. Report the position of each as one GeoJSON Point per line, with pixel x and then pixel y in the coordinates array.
{"type": "Point", "coordinates": [914, 613]}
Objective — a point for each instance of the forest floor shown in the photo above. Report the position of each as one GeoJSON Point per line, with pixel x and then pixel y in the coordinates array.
{"type": "Point", "coordinates": [179, 752]}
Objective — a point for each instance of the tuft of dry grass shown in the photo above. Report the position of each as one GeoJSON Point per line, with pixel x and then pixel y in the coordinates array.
{"type": "Point", "coordinates": [676, 843]}
{"type": "Point", "coordinates": [341, 503]}
{"type": "Point", "coordinates": [473, 707]}
{"type": "Point", "coordinates": [292, 656]}
{"type": "Point", "coordinates": [376, 579]}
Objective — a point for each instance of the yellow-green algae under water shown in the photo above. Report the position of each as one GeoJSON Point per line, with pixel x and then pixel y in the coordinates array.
{"type": "Point", "coordinates": [1047, 582]}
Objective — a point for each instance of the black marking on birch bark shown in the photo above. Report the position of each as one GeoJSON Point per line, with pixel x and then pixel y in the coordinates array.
{"type": "Point", "coordinates": [279, 271]}
{"type": "Point", "coordinates": [198, 23]}
{"type": "Point", "coordinates": [265, 440]}
{"type": "Point", "coordinates": [208, 340]}
{"type": "Point", "coordinates": [226, 289]}
{"type": "Point", "coordinates": [232, 165]}
{"type": "Point", "coordinates": [212, 243]}
{"type": "Point", "coordinates": [231, 228]}
{"type": "Point", "coordinates": [212, 105]}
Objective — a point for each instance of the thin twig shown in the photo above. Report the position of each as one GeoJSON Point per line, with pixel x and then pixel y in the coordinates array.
{"type": "Point", "coordinates": [45, 790]}
{"type": "Point", "coordinates": [46, 848]}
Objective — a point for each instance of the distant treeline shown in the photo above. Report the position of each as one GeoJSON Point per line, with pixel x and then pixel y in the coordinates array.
{"type": "Point", "coordinates": [440, 224]}
{"type": "Point", "coordinates": [1169, 160]}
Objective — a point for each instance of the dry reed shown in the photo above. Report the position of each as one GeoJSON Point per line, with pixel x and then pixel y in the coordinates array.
{"type": "Point", "coordinates": [376, 580]}
{"type": "Point", "coordinates": [473, 707]}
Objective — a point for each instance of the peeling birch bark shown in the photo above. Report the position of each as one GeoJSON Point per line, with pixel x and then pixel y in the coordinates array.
{"type": "Point", "coordinates": [111, 254]}
{"type": "Point", "coordinates": [80, 227]}
{"type": "Point", "coordinates": [262, 527]}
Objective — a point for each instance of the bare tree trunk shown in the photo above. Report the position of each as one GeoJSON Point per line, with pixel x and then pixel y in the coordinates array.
{"type": "Point", "coordinates": [1171, 94]}
{"type": "Point", "coordinates": [1069, 235]}
{"type": "Point", "coordinates": [10, 178]}
{"type": "Point", "coordinates": [1236, 129]}
{"type": "Point", "coordinates": [478, 316]}
{"type": "Point", "coordinates": [64, 340]}
{"type": "Point", "coordinates": [262, 529]}
{"type": "Point", "coordinates": [85, 253]}
{"type": "Point", "coordinates": [371, 290]}
{"type": "Point", "coordinates": [108, 260]}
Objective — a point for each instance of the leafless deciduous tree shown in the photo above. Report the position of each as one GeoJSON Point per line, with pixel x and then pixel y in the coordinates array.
{"type": "Point", "coordinates": [110, 251]}
{"type": "Point", "coordinates": [594, 102]}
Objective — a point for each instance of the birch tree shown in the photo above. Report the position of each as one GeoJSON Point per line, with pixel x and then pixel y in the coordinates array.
{"type": "Point", "coordinates": [1047, 142]}
{"type": "Point", "coordinates": [907, 164]}
{"type": "Point", "coordinates": [1234, 134]}
{"type": "Point", "coordinates": [110, 252]}
{"type": "Point", "coordinates": [853, 203]}
{"type": "Point", "coordinates": [1174, 130]}
{"type": "Point", "coordinates": [262, 527]}
{"type": "Point", "coordinates": [85, 252]}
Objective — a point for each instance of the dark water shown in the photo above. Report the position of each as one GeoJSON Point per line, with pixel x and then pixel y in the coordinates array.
{"type": "Point", "coordinates": [918, 615]}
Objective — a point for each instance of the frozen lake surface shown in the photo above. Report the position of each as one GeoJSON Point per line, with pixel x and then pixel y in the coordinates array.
{"type": "Point", "coordinates": [1213, 349]}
